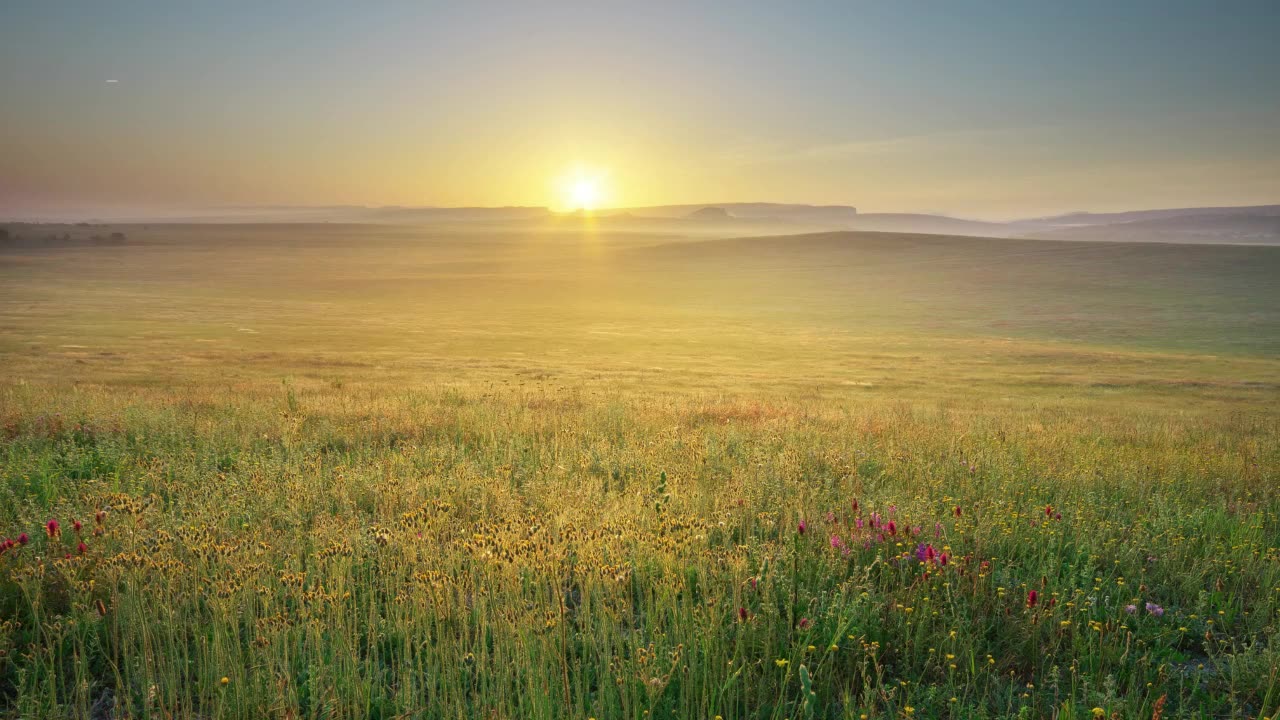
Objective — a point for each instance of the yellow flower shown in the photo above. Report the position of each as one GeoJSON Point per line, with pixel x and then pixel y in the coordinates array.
{"type": "Point", "coordinates": [909, 710]}
{"type": "Point", "coordinates": [781, 662]}
{"type": "Point", "coordinates": [1099, 712]}
{"type": "Point", "coordinates": [225, 680]}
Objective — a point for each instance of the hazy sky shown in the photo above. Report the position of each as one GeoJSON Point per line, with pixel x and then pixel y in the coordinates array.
{"type": "Point", "coordinates": [980, 109]}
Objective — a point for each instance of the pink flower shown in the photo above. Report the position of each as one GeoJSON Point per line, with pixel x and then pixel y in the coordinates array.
{"type": "Point", "coordinates": [1131, 609]}
{"type": "Point", "coordinates": [802, 527]}
{"type": "Point", "coordinates": [1032, 596]}
{"type": "Point", "coordinates": [836, 542]}
{"type": "Point", "coordinates": [804, 623]}
{"type": "Point", "coordinates": [831, 517]}
{"type": "Point", "coordinates": [857, 522]}
{"type": "Point", "coordinates": [893, 528]}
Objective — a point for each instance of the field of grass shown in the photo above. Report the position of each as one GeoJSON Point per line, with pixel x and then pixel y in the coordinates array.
{"type": "Point", "coordinates": [545, 472]}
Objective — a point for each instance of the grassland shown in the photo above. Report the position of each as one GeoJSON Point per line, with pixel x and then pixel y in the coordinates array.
{"type": "Point", "coordinates": [548, 472]}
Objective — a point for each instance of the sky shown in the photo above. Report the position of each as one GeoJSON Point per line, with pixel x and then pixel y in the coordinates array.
{"type": "Point", "coordinates": [976, 109]}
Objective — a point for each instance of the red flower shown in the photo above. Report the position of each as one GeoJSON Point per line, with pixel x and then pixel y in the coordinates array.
{"type": "Point", "coordinates": [893, 528]}
{"type": "Point", "coordinates": [75, 525]}
{"type": "Point", "coordinates": [23, 539]}
{"type": "Point", "coordinates": [855, 505]}
{"type": "Point", "coordinates": [1032, 596]}
{"type": "Point", "coordinates": [742, 614]}
{"type": "Point", "coordinates": [100, 516]}
{"type": "Point", "coordinates": [53, 528]}
{"type": "Point", "coordinates": [82, 548]}
{"type": "Point", "coordinates": [943, 559]}
{"type": "Point", "coordinates": [804, 623]}
{"type": "Point", "coordinates": [958, 511]}
{"type": "Point", "coordinates": [1048, 511]}
{"type": "Point", "coordinates": [802, 527]}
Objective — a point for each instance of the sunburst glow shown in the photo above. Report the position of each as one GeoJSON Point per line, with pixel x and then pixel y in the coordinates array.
{"type": "Point", "coordinates": [583, 191]}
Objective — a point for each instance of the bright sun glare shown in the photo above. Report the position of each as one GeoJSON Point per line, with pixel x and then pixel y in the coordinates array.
{"type": "Point", "coordinates": [586, 193]}
{"type": "Point", "coordinates": [582, 191]}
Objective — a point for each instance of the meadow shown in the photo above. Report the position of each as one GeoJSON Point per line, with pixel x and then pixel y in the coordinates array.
{"type": "Point", "coordinates": [550, 470]}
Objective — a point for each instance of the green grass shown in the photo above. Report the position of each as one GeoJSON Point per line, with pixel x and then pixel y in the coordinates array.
{"type": "Point", "coordinates": [547, 474]}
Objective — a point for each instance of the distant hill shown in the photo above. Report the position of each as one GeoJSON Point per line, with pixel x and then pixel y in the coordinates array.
{"type": "Point", "coordinates": [1209, 228]}
{"type": "Point", "coordinates": [710, 213]}
{"type": "Point", "coordinates": [1087, 218]}
{"type": "Point", "coordinates": [782, 212]}
{"type": "Point", "coordinates": [928, 224]}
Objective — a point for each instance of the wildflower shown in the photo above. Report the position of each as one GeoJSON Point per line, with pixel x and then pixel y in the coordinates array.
{"type": "Point", "coordinates": [742, 614]}
{"type": "Point", "coordinates": [53, 528]}
{"type": "Point", "coordinates": [958, 511]}
{"type": "Point", "coordinates": [836, 543]}
{"type": "Point", "coordinates": [893, 528]}
{"type": "Point", "coordinates": [858, 522]}
{"type": "Point", "coordinates": [854, 504]}
{"type": "Point", "coordinates": [1099, 712]}
{"type": "Point", "coordinates": [75, 525]}
{"type": "Point", "coordinates": [937, 530]}
{"type": "Point", "coordinates": [782, 662]}
{"type": "Point", "coordinates": [804, 623]}
{"type": "Point", "coordinates": [909, 710]}
{"type": "Point", "coordinates": [100, 516]}
{"type": "Point", "coordinates": [1032, 596]}
{"type": "Point", "coordinates": [1048, 511]}
{"type": "Point", "coordinates": [1155, 609]}
{"type": "Point", "coordinates": [943, 560]}
{"type": "Point", "coordinates": [831, 517]}
{"type": "Point", "coordinates": [225, 680]}
{"type": "Point", "coordinates": [1131, 609]}
{"type": "Point", "coordinates": [23, 539]}
{"type": "Point", "coordinates": [753, 580]}
{"type": "Point", "coordinates": [802, 527]}
{"type": "Point", "coordinates": [82, 548]}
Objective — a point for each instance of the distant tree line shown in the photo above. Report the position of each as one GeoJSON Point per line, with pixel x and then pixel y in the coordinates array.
{"type": "Point", "coordinates": [36, 236]}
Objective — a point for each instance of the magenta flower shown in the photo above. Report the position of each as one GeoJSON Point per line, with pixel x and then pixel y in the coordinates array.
{"type": "Point", "coordinates": [52, 528]}
{"type": "Point", "coordinates": [804, 623]}
{"type": "Point", "coordinates": [23, 539]}
{"type": "Point", "coordinates": [802, 527]}
{"type": "Point", "coordinates": [836, 543]}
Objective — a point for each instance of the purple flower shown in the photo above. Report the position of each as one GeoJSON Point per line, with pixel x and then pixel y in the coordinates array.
{"type": "Point", "coordinates": [1155, 609]}
{"type": "Point", "coordinates": [1131, 609]}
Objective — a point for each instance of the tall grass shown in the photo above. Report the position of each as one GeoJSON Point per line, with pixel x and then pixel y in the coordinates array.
{"type": "Point", "coordinates": [490, 551]}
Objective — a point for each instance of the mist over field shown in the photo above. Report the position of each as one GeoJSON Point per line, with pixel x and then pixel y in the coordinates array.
{"type": "Point", "coordinates": [670, 361]}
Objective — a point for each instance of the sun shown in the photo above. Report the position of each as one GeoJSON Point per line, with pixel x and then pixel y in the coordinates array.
{"type": "Point", "coordinates": [585, 194]}
{"type": "Point", "coordinates": [582, 191]}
